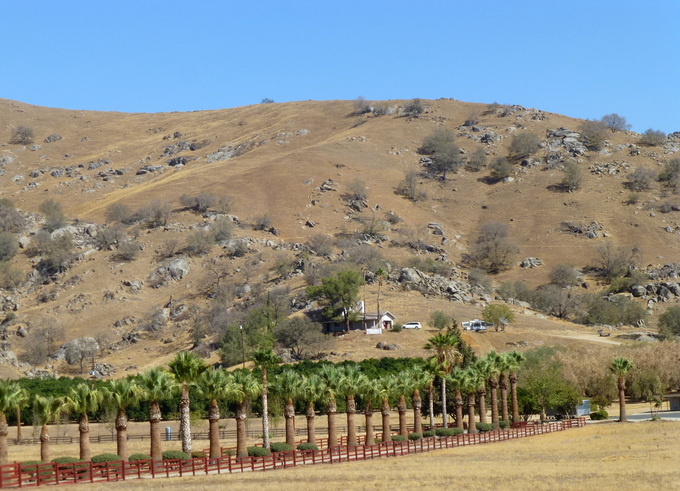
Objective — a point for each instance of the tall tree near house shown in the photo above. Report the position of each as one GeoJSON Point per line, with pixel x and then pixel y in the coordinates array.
{"type": "Point", "coordinates": [81, 400]}
{"type": "Point", "coordinates": [620, 367]}
{"type": "Point", "coordinates": [339, 295]}
{"type": "Point", "coordinates": [244, 388]}
{"type": "Point", "coordinates": [121, 394]}
{"type": "Point", "coordinates": [331, 377]}
{"type": "Point", "coordinates": [421, 379]}
{"type": "Point", "coordinates": [12, 397]}
{"type": "Point", "coordinates": [156, 385]}
{"type": "Point", "coordinates": [45, 410]}
{"type": "Point", "coordinates": [457, 381]}
{"type": "Point", "coordinates": [368, 391]}
{"type": "Point", "coordinates": [186, 368]}
{"type": "Point", "coordinates": [311, 390]}
{"type": "Point", "coordinates": [214, 385]}
{"type": "Point", "coordinates": [350, 381]}
{"type": "Point", "coordinates": [265, 359]}
{"type": "Point", "coordinates": [288, 385]}
{"type": "Point", "coordinates": [515, 360]}
{"type": "Point", "coordinates": [387, 388]}
{"type": "Point", "coordinates": [447, 356]}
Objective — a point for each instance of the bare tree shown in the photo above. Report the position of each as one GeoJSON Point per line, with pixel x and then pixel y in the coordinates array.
{"type": "Point", "coordinates": [615, 122]}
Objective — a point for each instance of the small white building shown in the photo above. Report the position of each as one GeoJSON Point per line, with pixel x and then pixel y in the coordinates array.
{"type": "Point", "coordinates": [373, 322]}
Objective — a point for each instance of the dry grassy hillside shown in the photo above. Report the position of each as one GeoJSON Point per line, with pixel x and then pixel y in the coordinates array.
{"type": "Point", "coordinates": [284, 152]}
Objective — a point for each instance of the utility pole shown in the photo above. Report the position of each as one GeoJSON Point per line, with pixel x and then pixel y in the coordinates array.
{"type": "Point", "coordinates": [243, 348]}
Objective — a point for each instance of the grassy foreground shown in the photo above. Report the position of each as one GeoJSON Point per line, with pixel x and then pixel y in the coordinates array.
{"type": "Point", "coordinates": [601, 456]}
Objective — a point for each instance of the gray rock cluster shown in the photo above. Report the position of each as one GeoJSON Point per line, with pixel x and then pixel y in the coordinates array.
{"type": "Point", "coordinates": [328, 185]}
{"type": "Point", "coordinates": [52, 138]}
{"type": "Point", "coordinates": [227, 152]}
{"type": "Point", "coordinates": [176, 269]}
{"type": "Point", "coordinates": [609, 168]}
{"type": "Point", "coordinates": [531, 262]}
{"type": "Point", "coordinates": [386, 346]}
{"type": "Point", "coordinates": [563, 138]}
{"type": "Point", "coordinates": [591, 231]}
{"type": "Point", "coordinates": [659, 292]}
{"type": "Point", "coordinates": [667, 271]}
{"type": "Point", "coordinates": [435, 285]}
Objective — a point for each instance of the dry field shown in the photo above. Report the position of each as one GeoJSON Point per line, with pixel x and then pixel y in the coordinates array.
{"type": "Point", "coordinates": [599, 456]}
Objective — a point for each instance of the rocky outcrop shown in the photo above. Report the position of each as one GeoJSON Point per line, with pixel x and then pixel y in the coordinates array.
{"type": "Point", "coordinates": [435, 285]}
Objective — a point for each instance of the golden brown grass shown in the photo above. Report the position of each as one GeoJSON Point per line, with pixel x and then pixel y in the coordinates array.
{"type": "Point", "coordinates": [599, 456]}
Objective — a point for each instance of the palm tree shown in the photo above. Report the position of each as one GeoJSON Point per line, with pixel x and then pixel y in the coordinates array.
{"type": "Point", "coordinates": [471, 380]}
{"type": "Point", "coordinates": [331, 378]}
{"type": "Point", "coordinates": [515, 360]}
{"type": "Point", "coordinates": [311, 389]}
{"type": "Point", "coordinates": [214, 385]}
{"type": "Point", "coordinates": [504, 364]}
{"type": "Point", "coordinates": [83, 399]}
{"type": "Point", "coordinates": [485, 369]}
{"type": "Point", "coordinates": [22, 400]}
{"type": "Point", "coordinates": [156, 385]}
{"type": "Point", "coordinates": [122, 393]}
{"type": "Point", "coordinates": [421, 379]}
{"type": "Point", "coordinates": [493, 360]}
{"type": "Point", "coordinates": [387, 387]}
{"type": "Point", "coordinates": [244, 388]}
{"type": "Point", "coordinates": [432, 371]}
{"type": "Point", "coordinates": [447, 356]}
{"type": "Point", "coordinates": [349, 386]}
{"type": "Point", "coordinates": [12, 397]}
{"type": "Point", "coordinates": [405, 386]}
{"type": "Point", "coordinates": [457, 380]}
{"type": "Point", "coordinates": [45, 410]}
{"type": "Point", "coordinates": [265, 359]}
{"type": "Point", "coordinates": [621, 366]}
{"type": "Point", "coordinates": [368, 390]}
{"type": "Point", "coordinates": [186, 368]}
{"type": "Point", "coordinates": [287, 385]}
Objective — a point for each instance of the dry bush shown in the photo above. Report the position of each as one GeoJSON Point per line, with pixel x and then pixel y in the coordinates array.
{"type": "Point", "coordinates": [492, 251]}
{"type": "Point", "coordinates": [321, 245]}
{"type": "Point", "coordinates": [10, 219]}
{"type": "Point", "coordinates": [364, 255]}
{"type": "Point", "coordinates": [198, 203]}
{"type": "Point", "coordinates": [357, 190]}
{"type": "Point", "coordinates": [564, 275]}
{"type": "Point", "coordinates": [593, 134]}
{"type": "Point", "coordinates": [158, 213]}
{"type": "Point", "coordinates": [109, 237]}
{"type": "Point", "coordinates": [199, 243]}
{"type": "Point", "coordinates": [21, 135]}
{"type": "Point", "coordinates": [54, 215]}
{"type": "Point", "coordinates": [652, 138]}
{"type": "Point", "coordinates": [262, 222]}
{"type": "Point", "coordinates": [477, 160]}
{"type": "Point", "coordinates": [641, 179]}
{"type": "Point", "coordinates": [524, 145]}
{"type": "Point", "coordinates": [573, 177]}
{"type": "Point", "coordinates": [414, 108]}
{"type": "Point", "coordinates": [8, 246]}
{"type": "Point", "coordinates": [501, 168]}
{"type": "Point", "coordinates": [10, 277]}
{"type": "Point", "coordinates": [127, 250]}
{"type": "Point", "coordinates": [118, 213]}
{"type": "Point", "coordinates": [222, 229]}
{"type": "Point", "coordinates": [409, 187]}
{"type": "Point", "coordinates": [615, 122]}
{"type": "Point", "coordinates": [439, 138]}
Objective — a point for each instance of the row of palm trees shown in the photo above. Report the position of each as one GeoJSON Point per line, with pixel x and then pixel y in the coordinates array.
{"type": "Point", "coordinates": [241, 387]}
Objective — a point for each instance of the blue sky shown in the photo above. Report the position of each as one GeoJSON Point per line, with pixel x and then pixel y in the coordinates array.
{"type": "Point", "coordinates": [579, 58]}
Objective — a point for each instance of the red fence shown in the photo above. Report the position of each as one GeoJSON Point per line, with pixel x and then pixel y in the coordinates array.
{"type": "Point", "coordinates": [16, 475]}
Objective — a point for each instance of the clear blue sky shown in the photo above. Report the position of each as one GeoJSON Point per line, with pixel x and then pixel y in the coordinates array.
{"type": "Point", "coordinates": [582, 58]}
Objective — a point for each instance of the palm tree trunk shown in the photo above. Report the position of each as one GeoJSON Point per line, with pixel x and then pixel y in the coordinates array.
{"type": "Point", "coordinates": [504, 397]}
{"type": "Point", "coordinates": [482, 405]}
{"type": "Point", "coordinates": [472, 427]}
{"type": "Point", "coordinates": [155, 428]}
{"type": "Point", "coordinates": [351, 426]}
{"type": "Point", "coordinates": [214, 423]}
{"type": "Point", "coordinates": [332, 429]}
{"type": "Point", "coordinates": [431, 405]}
{"type": "Point", "coordinates": [459, 410]}
{"type": "Point", "coordinates": [185, 419]}
{"type": "Point", "coordinates": [513, 395]}
{"type": "Point", "coordinates": [417, 412]}
{"type": "Point", "coordinates": [44, 444]}
{"type": "Point", "coordinates": [311, 429]}
{"type": "Point", "coordinates": [4, 430]}
{"type": "Point", "coordinates": [444, 414]}
{"type": "Point", "coordinates": [18, 424]}
{"type": "Point", "coordinates": [241, 444]}
{"type": "Point", "coordinates": [289, 414]}
{"type": "Point", "coordinates": [265, 409]}
{"type": "Point", "coordinates": [623, 417]}
{"type": "Point", "coordinates": [121, 434]}
{"type": "Point", "coordinates": [494, 403]}
{"type": "Point", "coordinates": [401, 407]}
{"type": "Point", "coordinates": [84, 430]}
{"type": "Point", "coordinates": [385, 411]}
{"type": "Point", "coordinates": [368, 414]}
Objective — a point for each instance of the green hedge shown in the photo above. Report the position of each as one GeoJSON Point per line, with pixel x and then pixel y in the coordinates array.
{"type": "Point", "coordinates": [307, 446]}
{"type": "Point", "coordinates": [429, 433]}
{"type": "Point", "coordinates": [197, 454]}
{"type": "Point", "coordinates": [398, 438]}
{"type": "Point", "coordinates": [175, 455]}
{"type": "Point", "coordinates": [138, 456]}
{"type": "Point", "coordinates": [599, 415]}
{"type": "Point", "coordinates": [504, 424]}
{"type": "Point", "coordinates": [106, 457]}
{"type": "Point", "coordinates": [66, 460]}
{"type": "Point", "coordinates": [414, 436]}
{"type": "Point", "coordinates": [258, 452]}
{"type": "Point", "coordinates": [484, 427]}
{"type": "Point", "coordinates": [448, 431]}
{"type": "Point", "coordinates": [280, 447]}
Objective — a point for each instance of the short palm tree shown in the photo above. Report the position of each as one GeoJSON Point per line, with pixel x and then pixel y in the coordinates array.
{"type": "Point", "coordinates": [11, 399]}
{"type": "Point", "coordinates": [330, 375]}
{"type": "Point", "coordinates": [387, 388]}
{"type": "Point", "coordinates": [404, 387]}
{"type": "Point", "coordinates": [156, 385]}
{"type": "Point", "coordinates": [421, 379]}
{"type": "Point", "coordinates": [621, 366]}
{"type": "Point", "coordinates": [186, 368]}
{"type": "Point", "coordinates": [45, 410]}
{"type": "Point", "coordinates": [471, 380]}
{"type": "Point", "coordinates": [484, 367]}
{"type": "Point", "coordinates": [494, 362]}
{"type": "Point", "coordinates": [368, 391]}
{"type": "Point", "coordinates": [287, 386]}
{"type": "Point", "coordinates": [349, 386]}
{"type": "Point", "coordinates": [121, 394]}
{"type": "Point", "coordinates": [505, 362]}
{"type": "Point", "coordinates": [83, 399]}
{"type": "Point", "coordinates": [457, 381]}
{"type": "Point", "coordinates": [265, 359]}
{"type": "Point", "coordinates": [311, 390]}
{"type": "Point", "coordinates": [432, 370]}
{"type": "Point", "coordinates": [515, 360]}
{"type": "Point", "coordinates": [244, 388]}
{"type": "Point", "coordinates": [444, 344]}
{"type": "Point", "coordinates": [214, 385]}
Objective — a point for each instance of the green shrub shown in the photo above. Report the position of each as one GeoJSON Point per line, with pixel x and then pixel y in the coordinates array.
{"type": "Point", "coordinates": [106, 457]}
{"type": "Point", "coordinates": [197, 454]}
{"type": "Point", "coordinates": [397, 327]}
{"type": "Point", "coordinates": [307, 446]}
{"type": "Point", "coordinates": [175, 455]}
{"type": "Point", "coordinates": [428, 433]}
{"type": "Point", "coordinates": [599, 415]}
{"type": "Point", "coordinates": [138, 456]}
{"type": "Point", "coordinates": [66, 460]}
{"type": "Point", "coordinates": [448, 431]}
{"type": "Point", "coordinates": [398, 438]}
{"type": "Point", "coordinates": [258, 452]}
{"type": "Point", "coordinates": [280, 447]}
{"type": "Point", "coordinates": [31, 466]}
{"type": "Point", "coordinates": [414, 436]}
{"type": "Point", "coordinates": [504, 424]}
{"type": "Point", "coordinates": [484, 427]}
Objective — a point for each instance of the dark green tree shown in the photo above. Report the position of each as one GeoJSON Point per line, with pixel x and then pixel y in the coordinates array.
{"type": "Point", "coordinates": [338, 294]}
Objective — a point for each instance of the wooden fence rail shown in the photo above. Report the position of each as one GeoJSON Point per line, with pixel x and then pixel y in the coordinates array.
{"type": "Point", "coordinates": [17, 475]}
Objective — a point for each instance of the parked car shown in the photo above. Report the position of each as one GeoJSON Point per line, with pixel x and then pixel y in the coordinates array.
{"type": "Point", "coordinates": [412, 325]}
{"type": "Point", "coordinates": [475, 325]}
